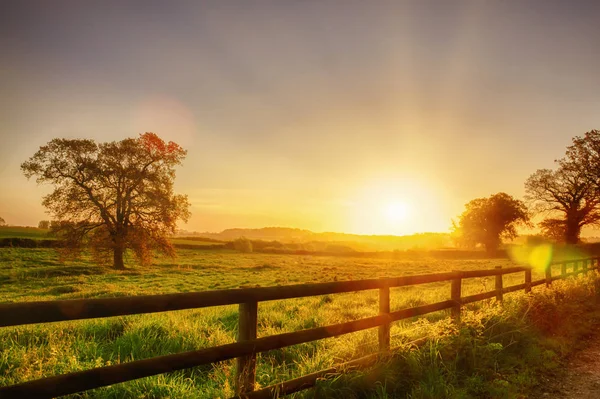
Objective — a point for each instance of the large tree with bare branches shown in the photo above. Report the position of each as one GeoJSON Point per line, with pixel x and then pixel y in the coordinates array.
{"type": "Point", "coordinates": [112, 196]}
{"type": "Point", "coordinates": [569, 197]}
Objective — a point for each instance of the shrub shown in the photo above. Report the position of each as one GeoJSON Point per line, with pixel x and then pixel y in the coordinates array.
{"type": "Point", "coordinates": [242, 244]}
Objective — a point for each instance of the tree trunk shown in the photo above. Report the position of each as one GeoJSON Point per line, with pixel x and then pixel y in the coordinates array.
{"type": "Point", "coordinates": [118, 258]}
{"type": "Point", "coordinates": [572, 232]}
{"type": "Point", "coordinates": [491, 245]}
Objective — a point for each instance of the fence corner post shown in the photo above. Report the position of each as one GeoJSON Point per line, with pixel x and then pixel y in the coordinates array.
{"type": "Point", "coordinates": [527, 281]}
{"type": "Point", "coordinates": [548, 275]}
{"type": "Point", "coordinates": [455, 295]}
{"type": "Point", "coordinates": [563, 269]}
{"type": "Point", "coordinates": [384, 309]}
{"type": "Point", "coordinates": [499, 293]}
{"type": "Point", "coordinates": [246, 365]}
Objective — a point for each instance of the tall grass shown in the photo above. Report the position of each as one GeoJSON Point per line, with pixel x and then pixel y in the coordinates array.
{"type": "Point", "coordinates": [31, 352]}
{"type": "Point", "coordinates": [497, 351]}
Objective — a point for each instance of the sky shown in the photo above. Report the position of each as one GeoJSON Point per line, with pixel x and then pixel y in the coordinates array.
{"type": "Point", "coordinates": [369, 117]}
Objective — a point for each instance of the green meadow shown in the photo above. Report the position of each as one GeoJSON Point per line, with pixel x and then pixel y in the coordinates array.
{"type": "Point", "coordinates": [23, 232]}
{"type": "Point", "coordinates": [31, 352]}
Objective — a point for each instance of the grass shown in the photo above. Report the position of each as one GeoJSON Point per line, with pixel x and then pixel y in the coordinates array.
{"type": "Point", "coordinates": [496, 351]}
{"type": "Point", "coordinates": [23, 232]}
{"type": "Point", "coordinates": [31, 352]}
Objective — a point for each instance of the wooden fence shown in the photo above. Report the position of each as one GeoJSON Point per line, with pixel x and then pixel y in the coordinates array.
{"type": "Point", "coordinates": [248, 345]}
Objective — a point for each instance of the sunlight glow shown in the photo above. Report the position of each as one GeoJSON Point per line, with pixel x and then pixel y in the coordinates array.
{"type": "Point", "coordinates": [395, 205]}
{"type": "Point", "coordinates": [396, 211]}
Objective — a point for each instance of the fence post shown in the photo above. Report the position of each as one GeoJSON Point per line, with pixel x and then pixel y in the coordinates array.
{"type": "Point", "coordinates": [246, 365]}
{"type": "Point", "coordinates": [384, 308]}
{"type": "Point", "coordinates": [499, 285]}
{"type": "Point", "coordinates": [575, 269]}
{"type": "Point", "coordinates": [455, 294]}
{"type": "Point", "coordinates": [548, 275]}
{"type": "Point", "coordinates": [528, 281]}
{"type": "Point", "coordinates": [563, 269]}
{"type": "Point", "coordinates": [585, 267]}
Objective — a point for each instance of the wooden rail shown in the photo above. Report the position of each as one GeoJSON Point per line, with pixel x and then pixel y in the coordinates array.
{"type": "Point", "coordinates": [248, 345]}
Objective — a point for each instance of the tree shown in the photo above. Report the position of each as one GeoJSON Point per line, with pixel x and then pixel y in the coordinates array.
{"type": "Point", "coordinates": [44, 224]}
{"type": "Point", "coordinates": [2, 222]}
{"type": "Point", "coordinates": [487, 220]}
{"type": "Point", "coordinates": [567, 197]}
{"type": "Point", "coordinates": [112, 196]}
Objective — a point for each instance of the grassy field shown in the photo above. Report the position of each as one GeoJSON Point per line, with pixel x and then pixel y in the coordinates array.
{"type": "Point", "coordinates": [23, 232]}
{"type": "Point", "coordinates": [31, 352]}
{"type": "Point", "coordinates": [42, 234]}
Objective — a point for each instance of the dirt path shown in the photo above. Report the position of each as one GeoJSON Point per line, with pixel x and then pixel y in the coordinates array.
{"type": "Point", "coordinates": [582, 377]}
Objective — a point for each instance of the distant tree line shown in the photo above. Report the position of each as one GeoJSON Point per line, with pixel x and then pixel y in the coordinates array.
{"type": "Point", "coordinates": [567, 198]}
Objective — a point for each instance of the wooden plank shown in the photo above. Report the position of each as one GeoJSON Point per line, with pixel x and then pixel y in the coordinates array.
{"type": "Point", "coordinates": [478, 297]}
{"type": "Point", "coordinates": [492, 272]}
{"type": "Point", "coordinates": [538, 282]}
{"type": "Point", "coordinates": [514, 288]}
{"type": "Point", "coordinates": [384, 309]}
{"type": "Point", "coordinates": [421, 310]}
{"type": "Point", "coordinates": [527, 280]}
{"type": "Point", "coordinates": [103, 376]}
{"type": "Point", "coordinates": [246, 365]}
{"type": "Point", "coordinates": [13, 314]}
{"type": "Point", "coordinates": [498, 285]}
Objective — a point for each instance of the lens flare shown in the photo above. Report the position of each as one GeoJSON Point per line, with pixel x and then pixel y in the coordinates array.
{"type": "Point", "coordinates": [537, 257]}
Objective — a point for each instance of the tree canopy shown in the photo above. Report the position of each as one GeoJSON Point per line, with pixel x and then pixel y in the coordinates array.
{"type": "Point", "coordinates": [2, 221]}
{"type": "Point", "coordinates": [585, 154]}
{"type": "Point", "coordinates": [487, 221]}
{"type": "Point", "coordinates": [112, 196]}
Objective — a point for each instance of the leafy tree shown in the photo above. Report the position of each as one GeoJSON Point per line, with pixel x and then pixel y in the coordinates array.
{"type": "Point", "coordinates": [44, 224]}
{"type": "Point", "coordinates": [567, 197]}
{"type": "Point", "coordinates": [486, 221]}
{"type": "Point", "coordinates": [112, 196]}
{"type": "Point", "coordinates": [2, 222]}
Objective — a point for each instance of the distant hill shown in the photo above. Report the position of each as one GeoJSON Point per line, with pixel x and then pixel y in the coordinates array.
{"type": "Point", "coordinates": [358, 242]}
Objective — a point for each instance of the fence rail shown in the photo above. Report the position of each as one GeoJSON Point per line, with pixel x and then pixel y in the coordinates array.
{"type": "Point", "coordinates": [248, 345]}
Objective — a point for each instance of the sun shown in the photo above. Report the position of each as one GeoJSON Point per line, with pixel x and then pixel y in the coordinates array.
{"type": "Point", "coordinates": [396, 211]}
